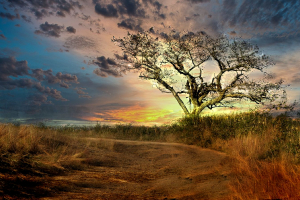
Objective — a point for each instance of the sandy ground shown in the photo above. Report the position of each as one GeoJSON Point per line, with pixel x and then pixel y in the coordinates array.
{"type": "Point", "coordinates": [134, 170]}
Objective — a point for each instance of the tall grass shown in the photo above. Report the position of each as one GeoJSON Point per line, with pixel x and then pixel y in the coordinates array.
{"type": "Point", "coordinates": [30, 155]}
{"type": "Point", "coordinates": [265, 150]}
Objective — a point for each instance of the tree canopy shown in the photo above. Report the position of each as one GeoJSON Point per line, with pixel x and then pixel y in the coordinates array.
{"type": "Point", "coordinates": [180, 63]}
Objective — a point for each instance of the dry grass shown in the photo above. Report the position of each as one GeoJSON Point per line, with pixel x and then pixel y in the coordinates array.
{"type": "Point", "coordinates": [259, 175]}
{"type": "Point", "coordinates": [30, 156]}
{"type": "Point", "coordinates": [255, 179]}
{"type": "Point", "coordinates": [265, 152]}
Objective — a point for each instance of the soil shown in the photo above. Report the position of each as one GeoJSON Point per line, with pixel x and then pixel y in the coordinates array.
{"type": "Point", "coordinates": [119, 169]}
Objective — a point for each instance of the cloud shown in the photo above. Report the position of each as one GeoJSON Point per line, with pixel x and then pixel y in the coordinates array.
{"type": "Point", "coordinates": [47, 7]}
{"type": "Point", "coordinates": [60, 78]}
{"type": "Point", "coordinates": [156, 4]}
{"type": "Point", "coordinates": [20, 3]}
{"type": "Point", "coordinates": [107, 11]}
{"type": "Point", "coordinates": [60, 14]}
{"type": "Point", "coordinates": [10, 67]}
{"type": "Point", "coordinates": [107, 67]}
{"type": "Point", "coordinates": [232, 33]}
{"type": "Point", "coordinates": [40, 14]}
{"type": "Point", "coordinates": [80, 42]}
{"type": "Point", "coordinates": [2, 36]}
{"type": "Point", "coordinates": [130, 24]}
{"type": "Point", "coordinates": [132, 8]}
{"type": "Point", "coordinates": [25, 18]}
{"type": "Point", "coordinates": [296, 78]}
{"type": "Point", "coordinates": [199, 1]}
{"type": "Point", "coordinates": [82, 94]}
{"type": "Point", "coordinates": [122, 57]}
{"type": "Point", "coordinates": [54, 93]}
{"type": "Point", "coordinates": [39, 99]}
{"type": "Point", "coordinates": [52, 30]}
{"type": "Point", "coordinates": [157, 7]}
{"type": "Point", "coordinates": [9, 16]}
{"type": "Point", "coordinates": [71, 29]}
{"type": "Point", "coordinates": [261, 15]}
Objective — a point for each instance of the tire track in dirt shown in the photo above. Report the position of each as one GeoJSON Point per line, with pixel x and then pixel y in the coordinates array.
{"type": "Point", "coordinates": [120, 169]}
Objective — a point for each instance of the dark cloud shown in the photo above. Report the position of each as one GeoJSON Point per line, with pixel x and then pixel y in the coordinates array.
{"type": "Point", "coordinates": [48, 76]}
{"type": "Point", "coordinates": [42, 8]}
{"type": "Point", "coordinates": [25, 18]}
{"type": "Point", "coordinates": [40, 14]}
{"type": "Point", "coordinates": [157, 7]}
{"type": "Point", "coordinates": [107, 67]}
{"type": "Point", "coordinates": [130, 24]}
{"type": "Point", "coordinates": [80, 91]}
{"type": "Point", "coordinates": [85, 17]}
{"type": "Point", "coordinates": [60, 14]}
{"type": "Point", "coordinates": [151, 30]}
{"type": "Point", "coordinates": [67, 77]}
{"type": "Point", "coordinates": [296, 78]}
{"type": "Point", "coordinates": [281, 41]}
{"type": "Point", "coordinates": [154, 3]}
{"type": "Point", "coordinates": [232, 33]}
{"type": "Point", "coordinates": [10, 67]}
{"type": "Point", "coordinates": [20, 3]}
{"type": "Point", "coordinates": [188, 19]}
{"type": "Point", "coordinates": [52, 30]}
{"type": "Point", "coordinates": [2, 36]}
{"type": "Point", "coordinates": [123, 7]}
{"type": "Point", "coordinates": [122, 57]}
{"type": "Point", "coordinates": [107, 11]}
{"type": "Point", "coordinates": [163, 16]}
{"type": "Point", "coordinates": [131, 8]}
{"type": "Point", "coordinates": [9, 16]}
{"type": "Point", "coordinates": [261, 15]}
{"type": "Point", "coordinates": [71, 29]}
{"type": "Point", "coordinates": [82, 94]}
{"type": "Point", "coordinates": [199, 1]}
{"type": "Point", "coordinates": [49, 91]}
{"type": "Point", "coordinates": [39, 99]}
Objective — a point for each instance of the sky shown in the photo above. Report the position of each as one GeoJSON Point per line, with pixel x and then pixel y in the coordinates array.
{"type": "Point", "coordinates": [57, 59]}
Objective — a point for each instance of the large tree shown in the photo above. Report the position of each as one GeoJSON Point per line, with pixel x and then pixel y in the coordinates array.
{"type": "Point", "coordinates": [182, 64]}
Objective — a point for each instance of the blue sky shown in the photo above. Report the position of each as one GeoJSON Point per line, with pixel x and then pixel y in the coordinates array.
{"type": "Point", "coordinates": [49, 52]}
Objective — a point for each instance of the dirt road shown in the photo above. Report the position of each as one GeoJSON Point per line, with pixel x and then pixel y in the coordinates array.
{"type": "Point", "coordinates": [147, 170]}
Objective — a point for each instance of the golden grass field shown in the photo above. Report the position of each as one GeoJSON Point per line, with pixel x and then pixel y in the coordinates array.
{"type": "Point", "coordinates": [241, 156]}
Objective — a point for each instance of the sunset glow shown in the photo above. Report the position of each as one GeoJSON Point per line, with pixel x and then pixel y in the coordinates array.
{"type": "Point", "coordinates": [134, 114]}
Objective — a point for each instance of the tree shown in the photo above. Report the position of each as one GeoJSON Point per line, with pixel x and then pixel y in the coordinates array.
{"type": "Point", "coordinates": [176, 62]}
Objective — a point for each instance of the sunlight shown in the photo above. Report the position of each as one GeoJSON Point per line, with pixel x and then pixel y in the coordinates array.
{"type": "Point", "coordinates": [135, 114]}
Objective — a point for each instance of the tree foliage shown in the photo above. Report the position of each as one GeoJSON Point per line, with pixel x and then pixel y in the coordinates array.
{"type": "Point", "coordinates": [179, 63]}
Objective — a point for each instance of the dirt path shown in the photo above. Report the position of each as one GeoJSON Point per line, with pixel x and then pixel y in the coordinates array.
{"type": "Point", "coordinates": [147, 170]}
